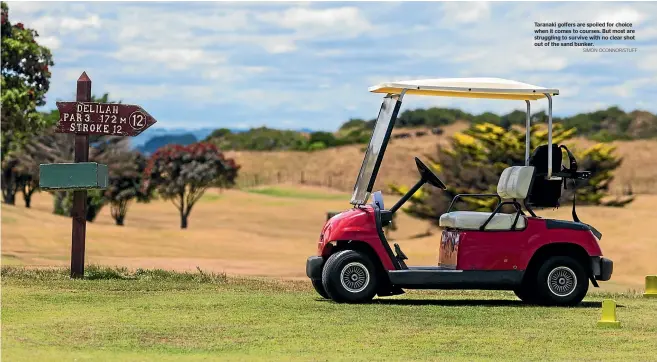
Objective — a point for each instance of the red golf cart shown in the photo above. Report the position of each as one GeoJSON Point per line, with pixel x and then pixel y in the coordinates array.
{"type": "Point", "coordinates": [544, 261]}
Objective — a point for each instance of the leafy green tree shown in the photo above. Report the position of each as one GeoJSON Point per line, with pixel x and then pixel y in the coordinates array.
{"type": "Point", "coordinates": [10, 185]}
{"type": "Point", "coordinates": [125, 182]}
{"type": "Point", "coordinates": [260, 139]}
{"type": "Point", "coordinates": [218, 133]}
{"type": "Point", "coordinates": [475, 158]}
{"type": "Point", "coordinates": [95, 202]}
{"type": "Point", "coordinates": [432, 117]}
{"type": "Point", "coordinates": [25, 81]}
{"type": "Point", "coordinates": [316, 146]}
{"type": "Point", "coordinates": [27, 179]}
{"type": "Point", "coordinates": [327, 138]}
{"type": "Point", "coordinates": [126, 172]}
{"type": "Point", "coordinates": [487, 117]}
{"type": "Point", "coordinates": [182, 174]}
{"type": "Point", "coordinates": [602, 125]}
{"type": "Point", "coordinates": [354, 123]}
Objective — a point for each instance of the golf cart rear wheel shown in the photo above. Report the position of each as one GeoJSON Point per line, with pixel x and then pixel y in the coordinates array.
{"type": "Point", "coordinates": [349, 276]}
{"type": "Point", "coordinates": [319, 288]}
{"type": "Point", "coordinates": [562, 281]}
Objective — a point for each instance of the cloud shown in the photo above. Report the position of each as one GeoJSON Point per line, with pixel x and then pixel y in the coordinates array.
{"type": "Point", "coordinates": [66, 24]}
{"type": "Point", "coordinates": [173, 58]}
{"type": "Point", "coordinates": [625, 14]}
{"type": "Point", "coordinates": [649, 63]}
{"type": "Point", "coordinates": [311, 63]}
{"type": "Point", "coordinates": [629, 88]}
{"type": "Point", "coordinates": [135, 93]}
{"type": "Point", "coordinates": [52, 42]}
{"type": "Point", "coordinates": [465, 12]}
{"type": "Point", "coordinates": [342, 21]}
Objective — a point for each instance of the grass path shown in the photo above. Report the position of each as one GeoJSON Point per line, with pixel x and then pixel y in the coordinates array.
{"type": "Point", "coordinates": [166, 316]}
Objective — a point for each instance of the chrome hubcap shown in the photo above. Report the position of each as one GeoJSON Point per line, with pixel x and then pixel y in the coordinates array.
{"type": "Point", "coordinates": [355, 277]}
{"type": "Point", "coordinates": [562, 281]}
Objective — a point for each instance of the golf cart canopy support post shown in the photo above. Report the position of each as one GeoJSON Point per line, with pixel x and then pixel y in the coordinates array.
{"type": "Point", "coordinates": [528, 140]}
{"type": "Point", "coordinates": [485, 88]}
{"type": "Point", "coordinates": [549, 97]}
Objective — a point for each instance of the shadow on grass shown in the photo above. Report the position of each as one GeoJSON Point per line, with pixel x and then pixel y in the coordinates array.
{"type": "Point", "coordinates": [471, 303]}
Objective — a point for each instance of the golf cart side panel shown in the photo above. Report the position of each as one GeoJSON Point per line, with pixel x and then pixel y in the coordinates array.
{"type": "Point", "coordinates": [509, 250]}
{"type": "Point", "coordinates": [497, 250]}
{"type": "Point", "coordinates": [357, 224]}
{"type": "Point", "coordinates": [585, 239]}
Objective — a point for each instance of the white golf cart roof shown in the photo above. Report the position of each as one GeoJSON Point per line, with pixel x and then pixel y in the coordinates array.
{"type": "Point", "coordinates": [492, 88]}
{"type": "Point", "coordinates": [486, 88]}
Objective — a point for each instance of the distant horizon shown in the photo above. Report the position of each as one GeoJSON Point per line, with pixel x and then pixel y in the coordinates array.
{"type": "Point", "coordinates": [158, 126]}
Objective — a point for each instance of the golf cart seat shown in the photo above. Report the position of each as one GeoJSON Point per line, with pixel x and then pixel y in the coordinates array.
{"type": "Point", "coordinates": [473, 220]}
{"type": "Point", "coordinates": [514, 184]}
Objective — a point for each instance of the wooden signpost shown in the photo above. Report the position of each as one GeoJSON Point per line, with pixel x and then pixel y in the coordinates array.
{"type": "Point", "coordinates": [84, 118]}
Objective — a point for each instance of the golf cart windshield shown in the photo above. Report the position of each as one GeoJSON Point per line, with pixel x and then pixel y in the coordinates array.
{"type": "Point", "coordinates": [375, 149]}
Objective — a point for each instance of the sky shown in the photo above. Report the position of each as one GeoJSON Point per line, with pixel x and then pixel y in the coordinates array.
{"type": "Point", "coordinates": [299, 65]}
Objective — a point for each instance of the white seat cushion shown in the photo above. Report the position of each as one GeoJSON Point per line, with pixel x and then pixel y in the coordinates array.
{"type": "Point", "coordinates": [515, 181]}
{"type": "Point", "coordinates": [472, 220]}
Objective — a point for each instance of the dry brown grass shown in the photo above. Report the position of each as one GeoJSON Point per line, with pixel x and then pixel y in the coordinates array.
{"type": "Point", "coordinates": [251, 234]}
{"type": "Point", "coordinates": [338, 167]}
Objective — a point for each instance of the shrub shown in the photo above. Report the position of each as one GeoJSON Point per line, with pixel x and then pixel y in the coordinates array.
{"type": "Point", "coordinates": [475, 158]}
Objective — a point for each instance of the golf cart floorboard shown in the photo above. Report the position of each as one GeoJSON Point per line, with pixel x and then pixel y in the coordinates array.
{"type": "Point", "coordinates": [441, 278]}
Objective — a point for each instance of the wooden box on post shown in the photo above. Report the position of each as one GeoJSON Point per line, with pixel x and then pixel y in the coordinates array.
{"type": "Point", "coordinates": [73, 176]}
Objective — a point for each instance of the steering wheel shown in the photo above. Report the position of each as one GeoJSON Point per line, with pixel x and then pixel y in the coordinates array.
{"type": "Point", "coordinates": [428, 175]}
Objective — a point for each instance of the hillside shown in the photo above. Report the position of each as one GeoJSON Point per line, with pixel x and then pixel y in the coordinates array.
{"type": "Point", "coordinates": [160, 141]}
{"type": "Point", "coordinates": [603, 126]}
{"type": "Point", "coordinates": [272, 232]}
{"type": "Point", "coordinates": [338, 167]}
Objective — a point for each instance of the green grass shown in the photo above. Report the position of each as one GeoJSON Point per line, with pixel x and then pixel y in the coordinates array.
{"type": "Point", "coordinates": [8, 220]}
{"type": "Point", "coordinates": [210, 197]}
{"type": "Point", "coordinates": [291, 193]}
{"type": "Point", "coordinates": [8, 259]}
{"type": "Point", "coordinates": [155, 315]}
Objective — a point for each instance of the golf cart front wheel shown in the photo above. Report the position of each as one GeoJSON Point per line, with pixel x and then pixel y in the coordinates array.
{"type": "Point", "coordinates": [526, 293]}
{"type": "Point", "coordinates": [562, 281]}
{"type": "Point", "coordinates": [349, 276]}
{"type": "Point", "coordinates": [319, 288]}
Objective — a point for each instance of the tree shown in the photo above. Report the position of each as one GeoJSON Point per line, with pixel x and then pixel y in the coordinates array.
{"type": "Point", "coordinates": [327, 138]}
{"type": "Point", "coordinates": [25, 81]}
{"type": "Point", "coordinates": [475, 158]}
{"type": "Point", "coordinates": [49, 147]}
{"type": "Point", "coordinates": [126, 171]}
{"type": "Point", "coordinates": [108, 150]}
{"type": "Point", "coordinates": [9, 181]}
{"type": "Point", "coordinates": [182, 174]}
{"type": "Point", "coordinates": [27, 179]}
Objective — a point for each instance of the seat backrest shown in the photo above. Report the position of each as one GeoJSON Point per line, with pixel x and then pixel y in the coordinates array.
{"type": "Point", "coordinates": [515, 182]}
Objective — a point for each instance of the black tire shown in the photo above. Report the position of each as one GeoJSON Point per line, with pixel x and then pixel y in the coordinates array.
{"type": "Point", "coordinates": [527, 293]}
{"type": "Point", "coordinates": [319, 288]}
{"type": "Point", "coordinates": [561, 281]}
{"type": "Point", "coordinates": [359, 274]}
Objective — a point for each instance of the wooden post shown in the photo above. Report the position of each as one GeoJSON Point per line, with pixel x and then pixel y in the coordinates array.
{"type": "Point", "coordinates": [83, 118]}
{"type": "Point", "coordinates": [79, 211]}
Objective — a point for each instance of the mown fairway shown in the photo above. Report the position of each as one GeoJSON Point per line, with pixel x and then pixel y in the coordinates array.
{"type": "Point", "coordinates": [166, 316]}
